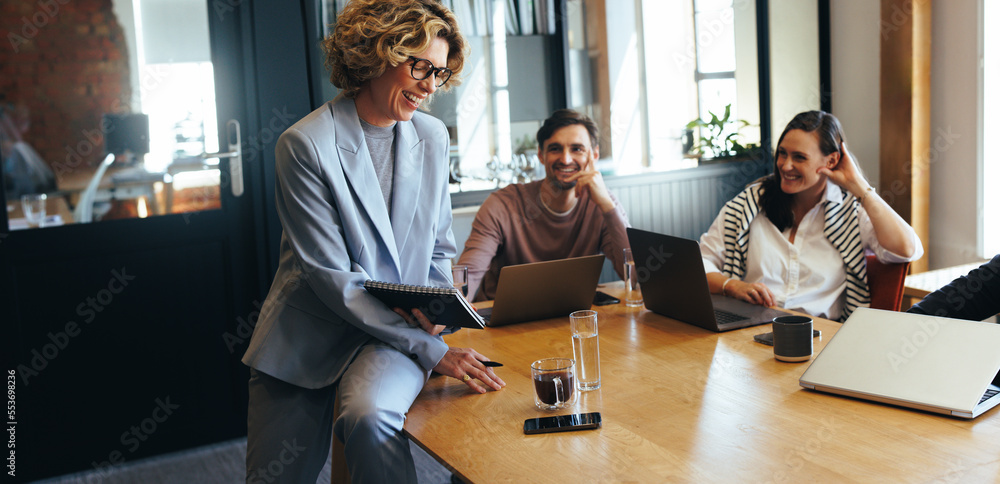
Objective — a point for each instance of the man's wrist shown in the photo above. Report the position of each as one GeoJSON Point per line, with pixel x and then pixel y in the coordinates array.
{"type": "Point", "coordinates": [607, 207]}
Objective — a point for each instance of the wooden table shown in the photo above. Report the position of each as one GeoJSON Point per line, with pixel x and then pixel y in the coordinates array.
{"type": "Point", "coordinates": [918, 286]}
{"type": "Point", "coordinates": [682, 404]}
{"type": "Point", "coordinates": [119, 182]}
{"type": "Point", "coordinates": [54, 205]}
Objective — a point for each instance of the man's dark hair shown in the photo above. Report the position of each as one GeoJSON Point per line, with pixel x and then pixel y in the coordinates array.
{"type": "Point", "coordinates": [563, 118]}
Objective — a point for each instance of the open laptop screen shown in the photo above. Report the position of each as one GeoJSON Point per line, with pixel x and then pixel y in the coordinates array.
{"type": "Point", "coordinates": [542, 290]}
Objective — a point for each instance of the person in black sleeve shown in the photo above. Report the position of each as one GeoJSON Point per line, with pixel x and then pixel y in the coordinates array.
{"type": "Point", "coordinates": [975, 296]}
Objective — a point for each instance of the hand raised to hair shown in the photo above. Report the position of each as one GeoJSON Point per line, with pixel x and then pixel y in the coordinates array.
{"type": "Point", "coordinates": [846, 173]}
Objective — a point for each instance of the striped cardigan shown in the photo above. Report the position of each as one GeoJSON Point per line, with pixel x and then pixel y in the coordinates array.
{"type": "Point", "coordinates": [841, 229]}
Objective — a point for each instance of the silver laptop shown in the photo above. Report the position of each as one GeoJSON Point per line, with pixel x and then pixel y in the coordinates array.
{"type": "Point", "coordinates": [543, 290]}
{"type": "Point", "coordinates": [673, 283]}
{"type": "Point", "coordinates": [930, 363]}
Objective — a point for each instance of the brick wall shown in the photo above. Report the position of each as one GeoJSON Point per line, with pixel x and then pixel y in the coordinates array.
{"type": "Point", "coordinates": [67, 62]}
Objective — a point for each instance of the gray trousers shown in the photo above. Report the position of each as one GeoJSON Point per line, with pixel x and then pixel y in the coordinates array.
{"type": "Point", "coordinates": [289, 428]}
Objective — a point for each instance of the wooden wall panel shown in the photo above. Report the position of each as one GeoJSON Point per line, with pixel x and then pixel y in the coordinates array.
{"type": "Point", "coordinates": [905, 113]}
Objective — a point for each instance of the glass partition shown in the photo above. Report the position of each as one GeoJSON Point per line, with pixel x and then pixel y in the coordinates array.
{"type": "Point", "coordinates": [106, 112]}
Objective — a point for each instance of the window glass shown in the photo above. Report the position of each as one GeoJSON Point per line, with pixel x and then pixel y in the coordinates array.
{"type": "Point", "coordinates": [694, 65]}
{"type": "Point", "coordinates": [715, 40]}
{"type": "Point", "coordinates": [507, 91]}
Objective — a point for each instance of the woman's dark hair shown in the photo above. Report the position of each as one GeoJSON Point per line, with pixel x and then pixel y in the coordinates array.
{"type": "Point", "coordinates": [778, 204]}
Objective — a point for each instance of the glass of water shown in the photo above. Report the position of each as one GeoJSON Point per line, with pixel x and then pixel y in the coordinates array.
{"type": "Point", "coordinates": [460, 279]}
{"type": "Point", "coordinates": [633, 295]}
{"type": "Point", "coordinates": [586, 349]}
{"type": "Point", "coordinates": [34, 208]}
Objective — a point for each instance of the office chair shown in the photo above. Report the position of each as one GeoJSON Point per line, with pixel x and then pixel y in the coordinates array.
{"type": "Point", "coordinates": [126, 134]}
{"type": "Point", "coordinates": [885, 283]}
{"type": "Point", "coordinates": [84, 211]}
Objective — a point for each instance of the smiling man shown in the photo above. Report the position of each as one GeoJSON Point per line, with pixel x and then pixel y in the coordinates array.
{"type": "Point", "coordinates": [568, 214]}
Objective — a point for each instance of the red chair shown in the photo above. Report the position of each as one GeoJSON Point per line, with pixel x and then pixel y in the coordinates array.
{"type": "Point", "coordinates": [885, 283]}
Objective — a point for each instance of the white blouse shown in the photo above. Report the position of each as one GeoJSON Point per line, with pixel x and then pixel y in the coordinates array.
{"type": "Point", "coordinates": [807, 275]}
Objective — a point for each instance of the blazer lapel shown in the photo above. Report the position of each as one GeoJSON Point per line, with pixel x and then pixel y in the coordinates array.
{"type": "Point", "coordinates": [406, 181]}
{"type": "Point", "coordinates": [360, 174]}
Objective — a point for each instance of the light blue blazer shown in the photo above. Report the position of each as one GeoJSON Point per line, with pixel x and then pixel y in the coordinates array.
{"type": "Point", "coordinates": [337, 233]}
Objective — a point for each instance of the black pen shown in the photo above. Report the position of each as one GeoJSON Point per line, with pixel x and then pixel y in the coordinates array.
{"type": "Point", "coordinates": [491, 363]}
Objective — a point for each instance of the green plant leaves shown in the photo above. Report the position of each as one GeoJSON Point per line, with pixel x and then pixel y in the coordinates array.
{"type": "Point", "coordinates": [714, 141]}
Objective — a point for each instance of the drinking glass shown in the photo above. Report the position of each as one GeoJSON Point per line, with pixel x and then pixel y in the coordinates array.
{"type": "Point", "coordinates": [553, 379]}
{"type": "Point", "coordinates": [586, 349]}
{"type": "Point", "coordinates": [34, 208]}
{"type": "Point", "coordinates": [633, 295]}
{"type": "Point", "coordinates": [493, 167]}
{"type": "Point", "coordinates": [456, 170]}
{"type": "Point", "coordinates": [460, 279]}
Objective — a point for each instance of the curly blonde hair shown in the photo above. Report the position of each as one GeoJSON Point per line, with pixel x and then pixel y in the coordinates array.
{"type": "Point", "coordinates": [372, 35]}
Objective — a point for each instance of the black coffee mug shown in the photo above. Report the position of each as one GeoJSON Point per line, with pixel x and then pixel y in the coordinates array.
{"type": "Point", "coordinates": [793, 338]}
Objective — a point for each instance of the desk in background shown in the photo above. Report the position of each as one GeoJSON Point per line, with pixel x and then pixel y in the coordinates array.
{"type": "Point", "coordinates": [682, 404]}
{"type": "Point", "coordinates": [119, 182]}
{"type": "Point", "coordinates": [918, 286]}
{"type": "Point", "coordinates": [54, 205]}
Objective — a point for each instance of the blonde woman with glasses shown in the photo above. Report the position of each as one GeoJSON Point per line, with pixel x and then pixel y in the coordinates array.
{"type": "Point", "coordinates": [362, 193]}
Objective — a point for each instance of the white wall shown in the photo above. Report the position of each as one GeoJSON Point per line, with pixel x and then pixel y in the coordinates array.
{"type": "Point", "coordinates": [747, 85]}
{"type": "Point", "coordinates": [955, 192]}
{"type": "Point", "coordinates": [856, 29]}
{"type": "Point", "coordinates": [794, 83]}
{"type": "Point", "coordinates": [854, 76]}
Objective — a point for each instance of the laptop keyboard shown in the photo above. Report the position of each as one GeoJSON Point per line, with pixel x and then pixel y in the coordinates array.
{"type": "Point", "coordinates": [726, 317]}
{"type": "Point", "coordinates": [989, 393]}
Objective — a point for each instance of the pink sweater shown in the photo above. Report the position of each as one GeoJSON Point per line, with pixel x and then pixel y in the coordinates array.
{"type": "Point", "coordinates": [513, 227]}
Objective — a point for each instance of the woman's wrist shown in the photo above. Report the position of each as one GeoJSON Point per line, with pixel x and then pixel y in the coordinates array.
{"type": "Point", "coordinates": [864, 195]}
{"type": "Point", "coordinates": [860, 188]}
{"type": "Point", "coordinates": [728, 280]}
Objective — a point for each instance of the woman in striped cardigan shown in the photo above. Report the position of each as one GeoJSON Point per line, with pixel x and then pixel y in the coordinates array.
{"type": "Point", "coordinates": [820, 215]}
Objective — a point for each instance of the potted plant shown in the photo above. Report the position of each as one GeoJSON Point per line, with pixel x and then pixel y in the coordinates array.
{"type": "Point", "coordinates": [718, 138]}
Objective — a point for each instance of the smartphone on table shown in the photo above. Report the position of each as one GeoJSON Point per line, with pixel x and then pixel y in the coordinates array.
{"type": "Point", "coordinates": [768, 338]}
{"type": "Point", "coordinates": [562, 423]}
{"type": "Point", "coordinates": [604, 299]}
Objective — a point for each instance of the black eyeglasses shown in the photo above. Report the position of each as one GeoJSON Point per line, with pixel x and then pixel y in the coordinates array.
{"type": "Point", "coordinates": [422, 69]}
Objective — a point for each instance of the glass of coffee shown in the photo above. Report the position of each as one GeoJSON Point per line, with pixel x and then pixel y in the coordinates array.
{"type": "Point", "coordinates": [555, 383]}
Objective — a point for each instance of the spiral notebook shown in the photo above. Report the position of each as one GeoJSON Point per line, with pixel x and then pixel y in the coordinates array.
{"type": "Point", "coordinates": [441, 305]}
